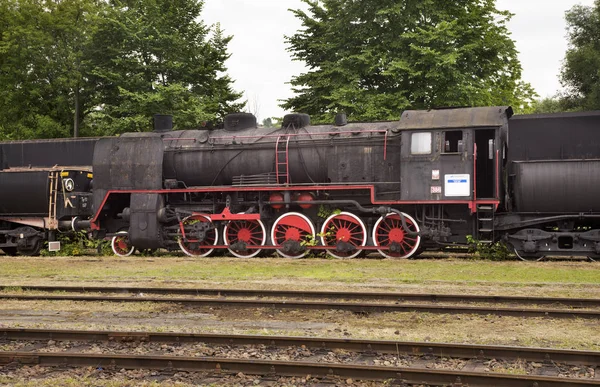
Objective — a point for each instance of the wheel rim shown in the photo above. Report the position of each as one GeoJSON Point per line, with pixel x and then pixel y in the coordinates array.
{"type": "Point", "coordinates": [528, 258]}
{"type": "Point", "coordinates": [343, 227]}
{"type": "Point", "coordinates": [292, 226]}
{"type": "Point", "coordinates": [120, 244]}
{"type": "Point", "coordinates": [251, 232]}
{"type": "Point", "coordinates": [192, 247]}
{"type": "Point", "coordinates": [388, 230]}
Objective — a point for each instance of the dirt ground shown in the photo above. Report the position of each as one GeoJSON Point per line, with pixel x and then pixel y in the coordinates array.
{"type": "Point", "coordinates": [566, 279]}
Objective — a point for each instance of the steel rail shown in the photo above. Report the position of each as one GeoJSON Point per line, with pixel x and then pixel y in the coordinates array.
{"type": "Point", "coordinates": [285, 368]}
{"type": "Point", "coordinates": [315, 305]}
{"type": "Point", "coordinates": [470, 351]}
{"type": "Point", "coordinates": [387, 296]}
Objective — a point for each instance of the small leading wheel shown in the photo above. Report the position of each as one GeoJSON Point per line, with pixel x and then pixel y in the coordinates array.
{"type": "Point", "coordinates": [346, 231]}
{"type": "Point", "coordinates": [531, 257]}
{"type": "Point", "coordinates": [388, 231]}
{"type": "Point", "coordinates": [120, 244]}
{"type": "Point", "coordinates": [249, 232]}
{"type": "Point", "coordinates": [289, 231]}
{"type": "Point", "coordinates": [199, 231]}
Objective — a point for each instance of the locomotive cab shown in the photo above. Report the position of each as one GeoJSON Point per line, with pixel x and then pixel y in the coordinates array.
{"type": "Point", "coordinates": [455, 157]}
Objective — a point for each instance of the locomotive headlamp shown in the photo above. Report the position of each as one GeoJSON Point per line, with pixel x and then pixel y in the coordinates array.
{"type": "Point", "coordinates": [69, 184]}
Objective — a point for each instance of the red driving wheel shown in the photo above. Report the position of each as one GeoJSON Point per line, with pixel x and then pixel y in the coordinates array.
{"type": "Point", "coordinates": [347, 228]}
{"type": "Point", "coordinates": [388, 231]}
{"type": "Point", "coordinates": [292, 226]}
{"type": "Point", "coordinates": [251, 232]}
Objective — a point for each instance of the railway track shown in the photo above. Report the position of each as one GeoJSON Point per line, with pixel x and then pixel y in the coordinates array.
{"type": "Point", "coordinates": [471, 373]}
{"type": "Point", "coordinates": [307, 294]}
{"type": "Point", "coordinates": [395, 301]}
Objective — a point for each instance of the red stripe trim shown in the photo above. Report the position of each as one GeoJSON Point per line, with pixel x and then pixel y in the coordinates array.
{"type": "Point", "coordinates": [471, 203]}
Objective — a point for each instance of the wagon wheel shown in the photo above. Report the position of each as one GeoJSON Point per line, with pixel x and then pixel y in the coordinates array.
{"type": "Point", "coordinates": [249, 232]}
{"type": "Point", "coordinates": [388, 231]}
{"type": "Point", "coordinates": [198, 233]}
{"type": "Point", "coordinates": [10, 251]}
{"type": "Point", "coordinates": [32, 250]}
{"type": "Point", "coordinates": [528, 257]}
{"type": "Point", "coordinates": [292, 229]}
{"type": "Point", "coordinates": [346, 228]}
{"type": "Point", "coordinates": [120, 244]}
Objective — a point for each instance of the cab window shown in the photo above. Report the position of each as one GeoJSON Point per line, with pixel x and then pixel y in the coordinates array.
{"type": "Point", "coordinates": [453, 141]}
{"type": "Point", "coordinates": [420, 143]}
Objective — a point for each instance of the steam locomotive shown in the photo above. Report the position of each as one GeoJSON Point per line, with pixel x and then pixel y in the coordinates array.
{"type": "Point", "coordinates": [395, 188]}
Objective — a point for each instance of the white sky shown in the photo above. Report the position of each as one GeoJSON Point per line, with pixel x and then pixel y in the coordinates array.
{"type": "Point", "coordinates": [261, 66]}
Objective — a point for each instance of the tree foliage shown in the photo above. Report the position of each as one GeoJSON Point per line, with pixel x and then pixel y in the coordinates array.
{"type": "Point", "coordinates": [42, 58]}
{"type": "Point", "coordinates": [108, 66]}
{"type": "Point", "coordinates": [581, 71]}
{"type": "Point", "coordinates": [547, 105]}
{"type": "Point", "coordinates": [374, 58]}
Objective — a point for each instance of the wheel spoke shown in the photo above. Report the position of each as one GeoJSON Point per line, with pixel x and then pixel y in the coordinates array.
{"type": "Point", "coordinates": [120, 244]}
{"type": "Point", "coordinates": [250, 232]}
{"type": "Point", "coordinates": [388, 231]}
{"type": "Point", "coordinates": [192, 246]}
{"type": "Point", "coordinates": [344, 227]}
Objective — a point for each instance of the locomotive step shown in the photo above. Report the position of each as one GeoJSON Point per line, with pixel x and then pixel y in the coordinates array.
{"type": "Point", "coordinates": [485, 230]}
{"type": "Point", "coordinates": [485, 208]}
{"type": "Point", "coordinates": [485, 219]}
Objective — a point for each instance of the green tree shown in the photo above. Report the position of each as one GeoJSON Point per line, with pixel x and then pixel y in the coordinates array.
{"type": "Point", "coordinates": [106, 66]}
{"type": "Point", "coordinates": [267, 123]}
{"type": "Point", "coordinates": [43, 68]}
{"type": "Point", "coordinates": [547, 105]}
{"type": "Point", "coordinates": [155, 56]}
{"type": "Point", "coordinates": [374, 58]}
{"type": "Point", "coordinates": [581, 71]}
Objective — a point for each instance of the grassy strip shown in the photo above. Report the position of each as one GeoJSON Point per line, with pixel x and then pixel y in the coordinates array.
{"type": "Point", "coordinates": [348, 271]}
